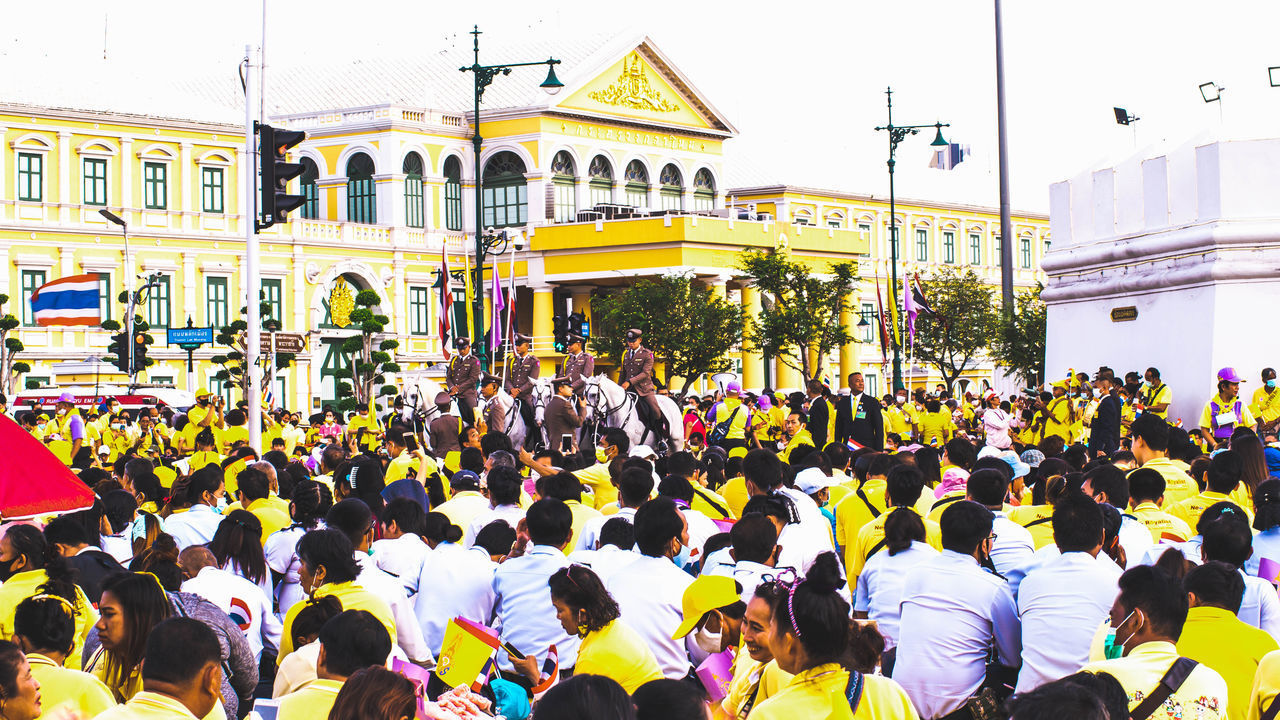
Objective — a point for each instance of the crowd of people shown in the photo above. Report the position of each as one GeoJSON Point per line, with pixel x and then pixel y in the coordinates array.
{"type": "Point", "coordinates": [1061, 553]}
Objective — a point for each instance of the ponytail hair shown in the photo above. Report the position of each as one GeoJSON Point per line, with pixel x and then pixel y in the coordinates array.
{"type": "Point", "coordinates": [813, 611]}
{"type": "Point", "coordinates": [866, 645]}
{"type": "Point", "coordinates": [438, 528]}
{"type": "Point", "coordinates": [48, 624]}
{"type": "Point", "coordinates": [311, 501]}
{"type": "Point", "coordinates": [29, 542]}
{"type": "Point", "coordinates": [1266, 503]}
{"type": "Point", "coordinates": [901, 528]}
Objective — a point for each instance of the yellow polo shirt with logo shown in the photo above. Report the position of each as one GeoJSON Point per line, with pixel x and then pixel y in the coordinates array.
{"type": "Point", "coordinates": [1042, 517]}
{"type": "Point", "coordinates": [1190, 510]}
{"type": "Point", "coordinates": [1217, 638]}
{"type": "Point", "coordinates": [898, 423]}
{"type": "Point", "coordinates": [936, 427]}
{"type": "Point", "coordinates": [314, 700]}
{"type": "Point", "coordinates": [1178, 485]}
{"type": "Point", "coordinates": [1162, 525]}
{"type": "Point", "coordinates": [1266, 405]}
{"type": "Point", "coordinates": [1203, 696]}
{"type": "Point", "coordinates": [370, 425]}
{"type": "Point", "coordinates": [1157, 396]}
{"type": "Point", "coordinates": [619, 653]}
{"type": "Point", "coordinates": [872, 534]}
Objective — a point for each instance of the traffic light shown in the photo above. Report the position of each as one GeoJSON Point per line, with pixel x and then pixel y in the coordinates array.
{"type": "Point", "coordinates": [559, 331]}
{"type": "Point", "coordinates": [140, 341]}
{"type": "Point", "coordinates": [277, 171]}
{"type": "Point", "coordinates": [120, 348]}
{"type": "Point", "coordinates": [579, 324]}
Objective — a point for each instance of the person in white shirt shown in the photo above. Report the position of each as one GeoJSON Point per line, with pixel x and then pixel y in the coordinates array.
{"type": "Point", "coordinates": [635, 486]}
{"type": "Point", "coordinates": [206, 493]}
{"type": "Point", "coordinates": [1109, 484]}
{"type": "Point", "coordinates": [1013, 544]}
{"type": "Point", "coordinates": [754, 552]}
{"type": "Point", "coordinates": [880, 584]}
{"type": "Point", "coordinates": [239, 598]}
{"type": "Point", "coordinates": [650, 593]}
{"type": "Point", "coordinates": [503, 485]}
{"type": "Point", "coordinates": [309, 503]}
{"type": "Point", "coordinates": [996, 422]}
{"type": "Point", "coordinates": [120, 508]}
{"type": "Point", "coordinates": [454, 581]}
{"type": "Point", "coordinates": [701, 528]}
{"type": "Point", "coordinates": [1062, 602]}
{"type": "Point", "coordinates": [401, 550]}
{"type": "Point", "coordinates": [354, 519]}
{"type": "Point", "coordinates": [522, 596]}
{"type": "Point", "coordinates": [807, 535]}
{"type": "Point", "coordinates": [953, 611]}
{"type": "Point", "coordinates": [613, 551]}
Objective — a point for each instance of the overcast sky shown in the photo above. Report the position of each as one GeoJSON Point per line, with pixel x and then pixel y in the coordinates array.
{"type": "Point", "coordinates": [803, 81]}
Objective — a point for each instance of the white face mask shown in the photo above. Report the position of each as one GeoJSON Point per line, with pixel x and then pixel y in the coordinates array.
{"type": "Point", "coordinates": [61, 412]}
{"type": "Point", "coordinates": [707, 641]}
{"type": "Point", "coordinates": [1097, 393]}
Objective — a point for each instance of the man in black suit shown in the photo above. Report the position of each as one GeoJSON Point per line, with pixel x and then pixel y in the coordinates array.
{"type": "Point", "coordinates": [69, 537]}
{"type": "Point", "coordinates": [859, 417]}
{"type": "Point", "coordinates": [1104, 428]}
{"type": "Point", "coordinates": [819, 413]}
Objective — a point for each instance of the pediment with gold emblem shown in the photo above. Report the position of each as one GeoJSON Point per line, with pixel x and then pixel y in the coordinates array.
{"type": "Point", "coordinates": [640, 84]}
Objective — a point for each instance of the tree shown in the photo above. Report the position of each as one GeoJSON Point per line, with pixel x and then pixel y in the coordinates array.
{"type": "Point", "coordinates": [9, 347]}
{"type": "Point", "coordinates": [1019, 346]}
{"type": "Point", "coordinates": [804, 315]}
{"type": "Point", "coordinates": [235, 335]}
{"type": "Point", "coordinates": [686, 326]}
{"type": "Point", "coordinates": [362, 379]}
{"type": "Point", "coordinates": [964, 323]}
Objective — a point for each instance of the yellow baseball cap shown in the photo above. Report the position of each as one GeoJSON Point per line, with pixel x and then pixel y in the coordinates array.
{"type": "Point", "coordinates": [706, 593]}
{"type": "Point", "coordinates": [202, 393]}
{"type": "Point", "coordinates": [738, 452]}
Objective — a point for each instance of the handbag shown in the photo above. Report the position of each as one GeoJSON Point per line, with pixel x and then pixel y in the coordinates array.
{"type": "Point", "coordinates": [721, 429]}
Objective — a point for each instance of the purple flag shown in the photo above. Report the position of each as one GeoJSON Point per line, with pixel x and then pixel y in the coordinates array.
{"type": "Point", "coordinates": [1269, 570]}
{"type": "Point", "coordinates": [499, 304]}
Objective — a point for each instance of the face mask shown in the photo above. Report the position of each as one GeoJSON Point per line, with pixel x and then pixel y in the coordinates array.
{"type": "Point", "coordinates": [1271, 384]}
{"type": "Point", "coordinates": [601, 455]}
{"type": "Point", "coordinates": [901, 399]}
{"type": "Point", "coordinates": [61, 412]}
{"type": "Point", "coordinates": [707, 641]}
{"type": "Point", "coordinates": [6, 569]}
{"type": "Point", "coordinates": [221, 507]}
{"type": "Point", "coordinates": [117, 426]}
{"type": "Point", "coordinates": [1110, 648]}
{"type": "Point", "coordinates": [682, 558]}
{"type": "Point", "coordinates": [1097, 393]}
{"type": "Point", "coordinates": [974, 403]}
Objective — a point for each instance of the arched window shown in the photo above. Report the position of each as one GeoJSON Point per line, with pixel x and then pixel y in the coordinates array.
{"type": "Point", "coordinates": [564, 186]}
{"type": "Point", "coordinates": [413, 205]}
{"type": "Point", "coordinates": [671, 195]}
{"type": "Point", "coordinates": [704, 190]}
{"type": "Point", "coordinates": [601, 184]}
{"type": "Point", "coordinates": [506, 200]}
{"type": "Point", "coordinates": [308, 189]}
{"type": "Point", "coordinates": [452, 194]}
{"type": "Point", "coordinates": [361, 198]}
{"type": "Point", "coordinates": [637, 188]}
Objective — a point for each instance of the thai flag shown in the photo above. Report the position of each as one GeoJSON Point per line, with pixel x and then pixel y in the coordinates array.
{"type": "Point", "coordinates": [68, 301]}
{"type": "Point", "coordinates": [852, 444]}
{"type": "Point", "coordinates": [268, 398]}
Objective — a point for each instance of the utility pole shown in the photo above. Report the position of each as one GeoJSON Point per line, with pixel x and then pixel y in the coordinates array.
{"type": "Point", "coordinates": [249, 216]}
{"type": "Point", "coordinates": [1007, 233]}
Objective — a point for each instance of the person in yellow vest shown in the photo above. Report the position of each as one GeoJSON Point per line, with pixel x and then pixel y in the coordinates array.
{"type": "Point", "coordinates": [1225, 411]}
{"type": "Point", "coordinates": [1146, 495]}
{"type": "Point", "coordinates": [1266, 403]}
{"type": "Point", "coordinates": [349, 642]}
{"type": "Point", "coordinates": [1155, 396]}
{"type": "Point", "coordinates": [733, 411]}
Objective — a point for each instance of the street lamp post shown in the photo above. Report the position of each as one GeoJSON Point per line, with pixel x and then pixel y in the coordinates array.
{"type": "Point", "coordinates": [483, 75]}
{"type": "Point", "coordinates": [898, 133]}
{"type": "Point", "coordinates": [128, 319]}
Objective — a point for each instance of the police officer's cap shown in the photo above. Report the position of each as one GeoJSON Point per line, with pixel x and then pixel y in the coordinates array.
{"type": "Point", "coordinates": [575, 338]}
{"type": "Point", "coordinates": [461, 342]}
{"type": "Point", "coordinates": [490, 378]}
{"type": "Point", "coordinates": [443, 398]}
{"type": "Point", "coordinates": [633, 334]}
{"type": "Point", "coordinates": [523, 339]}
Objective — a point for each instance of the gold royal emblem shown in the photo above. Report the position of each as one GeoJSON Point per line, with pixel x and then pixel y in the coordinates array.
{"type": "Point", "coordinates": [341, 303]}
{"type": "Point", "coordinates": [632, 90]}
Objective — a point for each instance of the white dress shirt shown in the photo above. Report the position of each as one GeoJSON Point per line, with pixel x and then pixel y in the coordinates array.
{"type": "Point", "coordinates": [193, 527]}
{"type": "Point", "coordinates": [453, 582]}
{"type": "Point", "coordinates": [719, 562]}
{"type": "Point", "coordinates": [282, 557]}
{"type": "Point", "coordinates": [590, 535]}
{"type": "Point", "coordinates": [119, 547]}
{"type": "Point", "coordinates": [1013, 545]}
{"type": "Point", "coordinates": [1061, 603]}
{"type": "Point", "coordinates": [605, 562]}
{"type": "Point", "coordinates": [650, 595]}
{"type": "Point", "coordinates": [952, 610]}
{"type": "Point", "coordinates": [510, 514]}
{"type": "Point", "coordinates": [243, 602]}
{"type": "Point", "coordinates": [880, 586]}
{"type": "Point", "coordinates": [522, 604]}
{"type": "Point", "coordinates": [1261, 606]}
{"type": "Point", "coordinates": [1189, 549]}
{"type": "Point", "coordinates": [387, 587]}
{"type": "Point", "coordinates": [402, 558]}
{"type": "Point", "coordinates": [1046, 554]}
{"type": "Point", "coordinates": [701, 528]}
{"type": "Point", "coordinates": [749, 575]}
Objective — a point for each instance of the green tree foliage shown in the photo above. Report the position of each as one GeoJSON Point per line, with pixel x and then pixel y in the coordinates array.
{"type": "Point", "coordinates": [964, 323]}
{"type": "Point", "coordinates": [802, 310]}
{"type": "Point", "coordinates": [686, 325]}
{"type": "Point", "coordinates": [1019, 346]}
{"type": "Point", "coordinates": [9, 348]}
{"type": "Point", "coordinates": [363, 378]}
{"type": "Point", "coordinates": [234, 336]}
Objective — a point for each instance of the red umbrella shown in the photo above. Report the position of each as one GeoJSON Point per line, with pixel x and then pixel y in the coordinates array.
{"type": "Point", "coordinates": [32, 480]}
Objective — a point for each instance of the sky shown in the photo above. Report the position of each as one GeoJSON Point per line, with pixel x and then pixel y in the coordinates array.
{"type": "Point", "coordinates": [802, 81]}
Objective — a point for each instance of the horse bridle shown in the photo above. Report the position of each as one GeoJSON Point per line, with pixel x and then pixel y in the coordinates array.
{"type": "Point", "coordinates": [604, 411]}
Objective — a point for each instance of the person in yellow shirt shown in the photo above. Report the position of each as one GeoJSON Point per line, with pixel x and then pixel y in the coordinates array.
{"type": "Point", "coordinates": [349, 642]}
{"type": "Point", "coordinates": [756, 675]}
{"type": "Point", "coordinates": [327, 566]}
{"type": "Point", "coordinates": [235, 432]}
{"type": "Point", "coordinates": [29, 566]}
{"type": "Point", "coordinates": [1214, 636]}
{"type": "Point", "coordinates": [796, 434]}
{"type": "Point", "coordinates": [936, 425]}
{"type": "Point", "coordinates": [1155, 397]}
{"type": "Point", "coordinates": [896, 418]}
{"type": "Point", "coordinates": [609, 646]}
{"type": "Point", "coordinates": [736, 413]}
{"type": "Point", "coordinates": [1146, 495]}
{"type": "Point", "coordinates": [181, 675]}
{"type": "Point", "coordinates": [363, 420]}
{"type": "Point", "coordinates": [45, 629]}
{"type": "Point", "coordinates": [1266, 402]}
{"type": "Point", "coordinates": [599, 477]}
{"type": "Point", "coordinates": [902, 489]}
{"type": "Point", "coordinates": [1266, 687]}
{"type": "Point", "coordinates": [1151, 450]}
{"type": "Point", "coordinates": [254, 494]}
{"type": "Point", "coordinates": [865, 504]}
{"type": "Point", "coordinates": [806, 645]}
{"type": "Point", "coordinates": [1227, 410]}
{"type": "Point", "coordinates": [1222, 477]}
{"type": "Point", "coordinates": [568, 489]}
{"type": "Point", "coordinates": [1059, 413]}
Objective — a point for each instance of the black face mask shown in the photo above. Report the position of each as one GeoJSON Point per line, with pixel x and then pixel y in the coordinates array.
{"type": "Point", "coordinates": [6, 569]}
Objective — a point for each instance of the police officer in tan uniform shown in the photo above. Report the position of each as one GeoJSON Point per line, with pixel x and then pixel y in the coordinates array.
{"type": "Point", "coordinates": [524, 370]}
{"type": "Point", "coordinates": [637, 376]}
{"type": "Point", "coordinates": [461, 376]}
{"type": "Point", "coordinates": [495, 416]}
{"type": "Point", "coordinates": [445, 432]}
{"type": "Point", "coordinates": [577, 366]}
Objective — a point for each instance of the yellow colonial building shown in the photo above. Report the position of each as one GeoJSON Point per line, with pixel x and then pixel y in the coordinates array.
{"type": "Point", "coordinates": [619, 176]}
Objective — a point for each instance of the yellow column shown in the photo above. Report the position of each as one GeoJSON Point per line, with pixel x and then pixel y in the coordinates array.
{"type": "Point", "coordinates": [787, 376]}
{"type": "Point", "coordinates": [752, 362]}
{"type": "Point", "coordinates": [817, 364]}
{"type": "Point", "coordinates": [718, 285]}
{"type": "Point", "coordinates": [582, 302]}
{"type": "Point", "coordinates": [543, 311]}
{"type": "Point", "coordinates": [848, 353]}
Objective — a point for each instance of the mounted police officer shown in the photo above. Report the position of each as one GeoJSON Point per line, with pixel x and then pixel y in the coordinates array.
{"type": "Point", "coordinates": [637, 376]}
{"type": "Point", "coordinates": [524, 370]}
{"type": "Point", "coordinates": [578, 365]}
{"type": "Point", "coordinates": [461, 376]}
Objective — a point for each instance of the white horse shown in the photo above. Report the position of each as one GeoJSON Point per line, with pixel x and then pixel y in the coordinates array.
{"type": "Point", "coordinates": [515, 429]}
{"type": "Point", "coordinates": [611, 406]}
{"type": "Point", "coordinates": [419, 397]}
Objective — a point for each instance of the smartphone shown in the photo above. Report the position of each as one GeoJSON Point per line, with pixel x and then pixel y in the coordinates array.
{"type": "Point", "coordinates": [566, 443]}
{"type": "Point", "coordinates": [360, 435]}
{"type": "Point", "coordinates": [266, 709]}
{"type": "Point", "coordinates": [410, 442]}
{"type": "Point", "coordinates": [512, 650]}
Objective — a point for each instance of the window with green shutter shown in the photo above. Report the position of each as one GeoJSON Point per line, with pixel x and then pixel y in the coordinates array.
{"type": "Point", "coordinates": [30, 177]}
{"type": "Point", "coordinates": [211, 189]}
{"type": "Point", "coordinates": [155, 185]}
{"type": "Point", "coordinates": [95, 181]}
